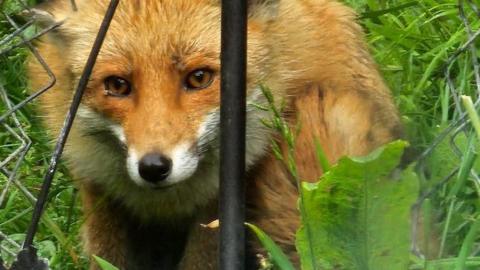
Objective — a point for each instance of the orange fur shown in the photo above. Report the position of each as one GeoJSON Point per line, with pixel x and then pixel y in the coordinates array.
{"type": "Point", "coordinates": [310, 53]}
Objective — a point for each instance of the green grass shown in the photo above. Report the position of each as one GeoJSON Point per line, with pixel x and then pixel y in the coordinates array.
{"type": "Point", "coordinates": [412, 46]}
{"type": "Point", "coordinates": [58, 232]}
{"type": "Point", "coordinates": [411, 41]}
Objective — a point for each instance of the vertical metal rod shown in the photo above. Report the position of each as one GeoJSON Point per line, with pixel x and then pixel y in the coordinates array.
{"type": "Point", "coordinates": [42, 197]}
{"type": "Point", "coordinates": [232, 129]}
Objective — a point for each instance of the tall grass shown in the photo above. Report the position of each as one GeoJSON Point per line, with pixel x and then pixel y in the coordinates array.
{"type": "Point", "coordinates": [413, 43]}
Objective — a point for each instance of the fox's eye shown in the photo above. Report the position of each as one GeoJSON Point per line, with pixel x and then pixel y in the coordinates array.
{"type": "Point", "coordinates": [198, 79]}
{"type": "Point", "coordinates": [117, 86]}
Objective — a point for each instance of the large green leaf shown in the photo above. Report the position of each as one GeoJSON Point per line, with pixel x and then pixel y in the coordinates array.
{"type": "Point", "coordinates": [358, 215]}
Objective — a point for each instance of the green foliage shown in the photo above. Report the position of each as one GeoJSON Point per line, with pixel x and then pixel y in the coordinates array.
{"type": "Point", "coordinates": [360, 215]}
{"type": "Point", "coordinates": [12, 7]}
{"type": "Point", "coordinates": [412, 41]}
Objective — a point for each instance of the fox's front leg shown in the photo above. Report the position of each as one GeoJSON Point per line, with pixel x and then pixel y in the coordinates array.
{"type": "Point", "coordinates": [201, 250]}
{"type": "Point", "coordinates": [103, 231]}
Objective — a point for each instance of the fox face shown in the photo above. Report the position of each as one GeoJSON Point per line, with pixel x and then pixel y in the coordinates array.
{"type": "Point", "coordinates": [164, 113]}
{"type": "Point", "coordinates": [147, 128]}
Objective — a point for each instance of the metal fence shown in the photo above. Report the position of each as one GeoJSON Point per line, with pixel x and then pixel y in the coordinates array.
{"type": "Point", "coordinates": [27, 257]}
{"type": "Point", "coordinates": [15, 129]}
{"type": "Point", "coordinates": [17, 143]}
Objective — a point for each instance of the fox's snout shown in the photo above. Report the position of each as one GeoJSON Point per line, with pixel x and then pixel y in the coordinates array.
{"type": "Point", "coordinates": [153, 160]}
{"type": "Point", "coordinates": [156, 169]}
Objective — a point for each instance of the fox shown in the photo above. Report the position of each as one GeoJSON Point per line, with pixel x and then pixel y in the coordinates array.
{"type": "Point", "coordinates": [143, 150]}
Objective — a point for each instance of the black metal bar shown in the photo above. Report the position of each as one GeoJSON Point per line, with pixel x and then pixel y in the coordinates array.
{"type": "Point", "coordinates": [42, 197]}
{"type": "Point", "coordinates": [232, 128]}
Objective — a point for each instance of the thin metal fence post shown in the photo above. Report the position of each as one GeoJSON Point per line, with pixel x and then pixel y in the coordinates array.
{"type": "Point", "coordinates": [232, 129]}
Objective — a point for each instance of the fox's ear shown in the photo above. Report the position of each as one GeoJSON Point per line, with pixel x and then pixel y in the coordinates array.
{"type": "Point", "coordinates": [51, 13]}
{"type": "Point", "coordinates": [42, 17]}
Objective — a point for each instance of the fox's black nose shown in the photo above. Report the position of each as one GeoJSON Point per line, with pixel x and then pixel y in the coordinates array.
{"type": "Point", "coordinates": [154, 167]}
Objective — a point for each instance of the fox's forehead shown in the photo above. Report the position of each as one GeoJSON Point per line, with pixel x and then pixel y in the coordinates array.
{"type": "Point", "coordinates": [163, 32]}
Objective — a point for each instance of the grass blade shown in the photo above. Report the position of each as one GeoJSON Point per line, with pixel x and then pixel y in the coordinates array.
{"type": "Point", "coordinates": [321, 156]}
{"type": "Point", "coordinates": [467, 245]}
{"type": "Point", "coordinates": [104, 265]}
{"type": "Point", "coordinates": [277, 256]}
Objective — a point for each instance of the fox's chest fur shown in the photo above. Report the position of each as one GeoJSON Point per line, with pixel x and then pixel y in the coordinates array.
{"type": "Point", "coordinates": [144, 146]}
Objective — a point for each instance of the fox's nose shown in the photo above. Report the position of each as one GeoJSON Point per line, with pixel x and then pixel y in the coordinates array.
{"type": "Point", "coordinates": [154, 167]}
